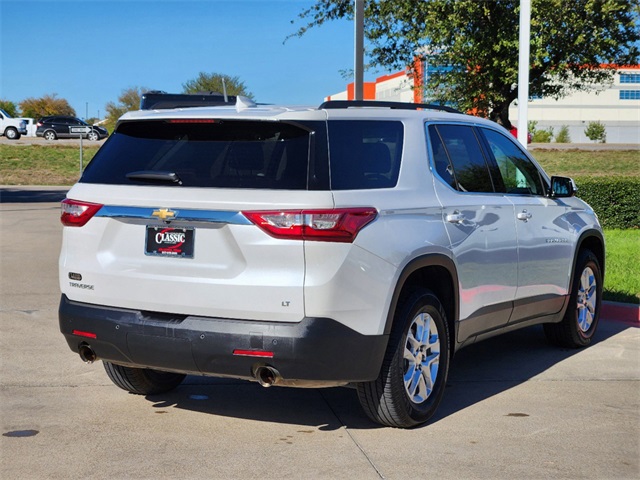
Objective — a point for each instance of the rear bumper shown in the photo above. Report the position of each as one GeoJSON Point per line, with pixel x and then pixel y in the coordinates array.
{"type": "Point", "coordinates": [314, 352]}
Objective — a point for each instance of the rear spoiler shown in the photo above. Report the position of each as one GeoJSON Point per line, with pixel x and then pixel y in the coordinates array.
{"type": "Point", "coordinates": [157, 100]}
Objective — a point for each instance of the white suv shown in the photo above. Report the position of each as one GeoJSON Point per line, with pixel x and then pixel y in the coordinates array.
{"type": "Point", "coordinates": [355, 243]}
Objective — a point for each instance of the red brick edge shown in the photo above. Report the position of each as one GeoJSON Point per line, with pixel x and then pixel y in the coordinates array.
{"type": "Point", "coordinates": [625, 312]}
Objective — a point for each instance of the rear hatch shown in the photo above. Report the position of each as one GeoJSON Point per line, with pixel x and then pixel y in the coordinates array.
{"type": "Point", "coordinates": [161, 218]}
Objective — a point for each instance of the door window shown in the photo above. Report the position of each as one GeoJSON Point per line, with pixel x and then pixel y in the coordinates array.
{"type": "Point", "coordinates": [458, 158]}
{"type": "Point", "coordinates": [519, 175]}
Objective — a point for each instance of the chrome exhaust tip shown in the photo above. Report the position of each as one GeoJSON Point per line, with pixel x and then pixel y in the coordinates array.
{"type": "Point", "coordinates": [267, 376]}
{"type": "Point", "coordinates": [87, 355]}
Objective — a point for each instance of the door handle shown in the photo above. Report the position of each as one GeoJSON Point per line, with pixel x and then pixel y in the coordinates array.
{"type": "Point", "coordinates": [455, 217]}
{"type": "Point", "coordinates": [524, 216]}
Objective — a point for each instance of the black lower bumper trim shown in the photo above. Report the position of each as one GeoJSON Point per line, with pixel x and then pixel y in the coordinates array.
{"type": "Point", "coordinates": [315, 351]}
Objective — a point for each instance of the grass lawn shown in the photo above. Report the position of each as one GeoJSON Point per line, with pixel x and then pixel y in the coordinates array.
{"type": "Point", "coordinates": [583, 163]}
{"type": "Point", "coordinates": [42, 165]}
{"type": "Point", "coordinates": [622, 275]}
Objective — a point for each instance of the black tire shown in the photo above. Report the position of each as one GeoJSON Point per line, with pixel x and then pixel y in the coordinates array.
{"type": "Point", "coordinates": [12, 134]}
{"type": "Point", "coordinates": [50, 135]}
{"type": "Point", "coordinates": [93, 136]}
{"type": "Point", "coordinates": [142, 381]}
{"type": "Point", "coordinates": [580, 321]}
{"type": "Point", "coordinates": [387, 400]}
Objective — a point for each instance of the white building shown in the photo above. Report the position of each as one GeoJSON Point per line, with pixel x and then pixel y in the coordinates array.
{"type": "Point", "coordinates": [617, 106]}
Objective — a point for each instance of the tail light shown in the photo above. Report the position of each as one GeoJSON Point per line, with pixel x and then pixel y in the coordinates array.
{"type": "Point", "coordinates": [76, 214]}
{"type": "Point", "coordinates": [337, 225]}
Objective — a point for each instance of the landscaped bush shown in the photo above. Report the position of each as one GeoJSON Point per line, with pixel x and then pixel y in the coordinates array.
{"type": "Point", "coordinates": [563, 135]}
{"type": "Point", "coordinates": [596, 131]}
{"type": "Point", "coordinates": [615, 200]}
{"type": "Point", "coordinates": [543, 136]}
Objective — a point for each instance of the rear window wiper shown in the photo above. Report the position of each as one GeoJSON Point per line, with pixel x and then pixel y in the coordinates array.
{"type": "Point", "coordinates": [155, 176]}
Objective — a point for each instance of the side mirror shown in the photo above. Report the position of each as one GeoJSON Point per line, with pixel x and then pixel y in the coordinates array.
{"type": "Point", "coordinates": [562, 187]}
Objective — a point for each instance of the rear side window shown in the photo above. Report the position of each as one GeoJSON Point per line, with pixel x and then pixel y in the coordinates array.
{"type": "Point", "coordinates": [458, 158]}
{"type": "Point", "coordinates": [364, 154]}
{"type": "Point", "coordinates": [208, 153]}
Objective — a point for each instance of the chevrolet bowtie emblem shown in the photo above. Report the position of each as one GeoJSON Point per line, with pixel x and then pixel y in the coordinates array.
{"type": "Point", "coordinates": [164, 214]}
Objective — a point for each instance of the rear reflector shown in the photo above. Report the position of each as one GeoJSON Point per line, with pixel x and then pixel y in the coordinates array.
{"type": "Point", "coordinates": [337, 225]}
{"type": "Point", "coordinates": [253, 353]}
{"type": "Point", "coordinates": [76, 214]}
{"type": "Point", "coordinates": [84, 334]}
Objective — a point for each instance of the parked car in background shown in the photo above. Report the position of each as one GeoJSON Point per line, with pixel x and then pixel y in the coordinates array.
{"type": "Point", "coordinates": [514, 131]}
{"type": "Point", "coordinates": [10, 127]}
{"type": "Point", "coordinates": [61, 126]}
{"type": "Point", "coordinates": [31, 126]}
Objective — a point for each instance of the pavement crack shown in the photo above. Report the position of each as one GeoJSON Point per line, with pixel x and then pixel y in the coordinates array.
{"type": "Point", "coordinates": [353, 439]}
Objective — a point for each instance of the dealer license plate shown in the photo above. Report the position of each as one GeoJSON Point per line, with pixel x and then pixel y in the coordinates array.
{"type": "Point", "coordinates": [169, 242]}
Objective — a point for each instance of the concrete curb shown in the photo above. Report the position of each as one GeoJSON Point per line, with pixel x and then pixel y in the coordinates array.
{"type": "Point", "coordinates": [624, 312]}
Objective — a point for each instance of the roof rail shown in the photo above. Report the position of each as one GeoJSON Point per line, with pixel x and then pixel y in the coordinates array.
{"type": "Point", "coordinates": [393, 105]}
{"type": "Point", "coordinates": [158, 100]}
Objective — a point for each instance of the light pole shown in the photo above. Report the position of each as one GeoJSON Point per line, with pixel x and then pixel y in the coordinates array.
{"type": "Point", "coordinates": [358, 54]}
{"type": "Point", "coordinates": [523, 70]}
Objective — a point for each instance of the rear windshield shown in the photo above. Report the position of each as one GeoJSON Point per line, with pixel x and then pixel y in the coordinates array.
{"type": "Point", "coordinates": [224, 154]}
{"type": "Point", "coordinates": [251, 154]}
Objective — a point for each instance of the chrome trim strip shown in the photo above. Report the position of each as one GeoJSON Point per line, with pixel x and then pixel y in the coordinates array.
{"type": "Point", "coordinates": [182, 215]}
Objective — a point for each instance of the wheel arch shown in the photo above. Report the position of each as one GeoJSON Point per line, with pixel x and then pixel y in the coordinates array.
{"type": "Point", "coordinates": [563, 331]}
{"type": "Point", "coordinates": [437, 273]}
{"type": "Point", "coordinates": [594, 241]}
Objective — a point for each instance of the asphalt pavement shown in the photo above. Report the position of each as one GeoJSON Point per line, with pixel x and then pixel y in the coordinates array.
{"type": "Point", "coordinates": [514, 407]}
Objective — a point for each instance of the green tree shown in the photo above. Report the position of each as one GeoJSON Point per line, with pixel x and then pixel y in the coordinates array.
{"type": "Point", "coordinates": [128, 101]}
{"type": "Point", "coordinates": [596, 131]}
{"type": "Point", "coordinates": [212, 82]}
{"type": "Point", "coordinates": [45, 106]}
{"type": "Point", "coordinates": [10, 107]}
{"type": "Point", "coordinates": [475, 44]}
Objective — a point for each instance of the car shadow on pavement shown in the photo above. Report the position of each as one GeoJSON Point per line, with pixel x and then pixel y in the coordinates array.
{"type": "Point", "coordinates": [22, 195]}
{"type": "Point", "coordinates": [477, 373]}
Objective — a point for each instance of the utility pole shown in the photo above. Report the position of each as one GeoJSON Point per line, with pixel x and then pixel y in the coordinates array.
{"type": "Point", "coordinates": [358, 53]}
